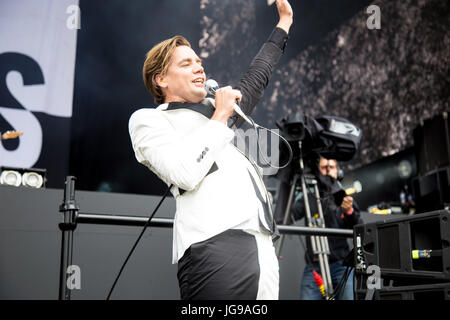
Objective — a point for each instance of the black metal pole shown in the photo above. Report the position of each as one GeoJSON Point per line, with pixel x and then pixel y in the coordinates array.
{"type": "Point", "coordinates": [119, 220]}
{"type": "Point", "coordinates": [69, 209]}
{"type": "Point", "coordinates": [330, 232]}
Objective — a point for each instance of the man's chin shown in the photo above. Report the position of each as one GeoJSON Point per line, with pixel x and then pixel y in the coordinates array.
{"type": "Point", "coordinates": [199, 98]}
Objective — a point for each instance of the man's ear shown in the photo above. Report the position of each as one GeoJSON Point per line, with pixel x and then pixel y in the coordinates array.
{"type": "Point", "coordinates": [160, 81]}
{"type": "Point", "coordinates": [340, 174]}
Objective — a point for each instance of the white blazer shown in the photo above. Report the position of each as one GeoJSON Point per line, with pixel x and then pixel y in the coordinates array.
{"type": "Point", "coordinates": [213, 182]}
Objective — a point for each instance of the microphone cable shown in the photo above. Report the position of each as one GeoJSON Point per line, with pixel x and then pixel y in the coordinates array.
{"type": "Point", "coordinates": [137, 241]}
{"type": "Point", "coordinates": [211, 86]}
{"type": "Point", "coordinates": [291, 153]}
{"type": "Point", "coordinates": [256, 127]}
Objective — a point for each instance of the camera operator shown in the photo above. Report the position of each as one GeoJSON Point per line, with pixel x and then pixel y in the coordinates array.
{"type": "Point", "coordinates": [344, 216]}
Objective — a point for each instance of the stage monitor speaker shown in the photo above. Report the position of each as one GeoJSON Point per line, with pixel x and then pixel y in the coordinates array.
{"type": "Point", "coordinates": [416, 246]}
{"type": "Point", "coordinates": [432, 143]}
{"type": "Point", "coordinates": [435, 292]}
{"type": "Point", "coordinates": [398, 288]}
{"type": "Point", "coordinates": [395, 287]}
{"type": "Point", "coordinates": [411, 257]}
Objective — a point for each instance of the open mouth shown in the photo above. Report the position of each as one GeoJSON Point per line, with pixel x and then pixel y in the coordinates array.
{"type": "Point", "coordinates": [199, 82]}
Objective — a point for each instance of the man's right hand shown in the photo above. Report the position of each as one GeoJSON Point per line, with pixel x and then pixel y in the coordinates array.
{"type": "Point", "coordinates": [225, 99]}
{"type": "Point", "coordinates": [347, 203]}
{"type": "Point", "coordinates": [286, 15]}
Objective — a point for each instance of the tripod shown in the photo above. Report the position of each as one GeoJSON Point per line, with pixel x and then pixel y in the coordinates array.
{"type": "Point", "coordinates": [319, 244]}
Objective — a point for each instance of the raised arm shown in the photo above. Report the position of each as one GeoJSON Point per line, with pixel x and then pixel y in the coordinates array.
{"type": "Point", "coordinates": [256, 79]}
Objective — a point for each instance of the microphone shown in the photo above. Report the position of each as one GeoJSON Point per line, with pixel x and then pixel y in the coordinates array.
{"type": "Point", "coordinates": [356, 188]}
{"type": "Point", "coordinates": [211, 86]}
{"type": "Point", "coordinates": [341, 193]}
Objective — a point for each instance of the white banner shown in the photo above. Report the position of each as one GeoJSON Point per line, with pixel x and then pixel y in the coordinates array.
{"type": "Point", "coordinates": [37, 63]}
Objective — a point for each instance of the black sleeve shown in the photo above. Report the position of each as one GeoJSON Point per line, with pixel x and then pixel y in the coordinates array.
{"type": "Point", "coordinates": [257, 77]}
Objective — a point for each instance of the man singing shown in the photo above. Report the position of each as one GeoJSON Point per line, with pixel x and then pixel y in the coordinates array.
{"type": "Point", "coordinates": [223, 226]}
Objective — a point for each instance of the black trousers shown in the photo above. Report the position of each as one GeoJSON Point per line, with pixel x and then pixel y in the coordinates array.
{"type": "Point", "coordinates": [224, 267]}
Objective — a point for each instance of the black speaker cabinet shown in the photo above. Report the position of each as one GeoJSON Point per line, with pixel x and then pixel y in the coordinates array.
{"type": "Point", "coordinates": [431, 291]}
{"type": "Point", "coordinates": [432, 143]}
{"type": "Point", "coordinates": [414, 247]}
{"type": "Point", "coordinates": [403, 287]}
{"type": "Point", "coordinates": [435, 292]}
{"type": "Point", "coordinates": [432, 190]}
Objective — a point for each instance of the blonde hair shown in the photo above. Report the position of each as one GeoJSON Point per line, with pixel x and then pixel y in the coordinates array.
{"type": "Point", "coordinates": [157, 62]}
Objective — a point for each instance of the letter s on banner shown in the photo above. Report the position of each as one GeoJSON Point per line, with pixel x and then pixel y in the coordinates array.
{"type": "Point", "coordinates": [26, 152]}
{"type": "Point", "coordinates": [37, 59]}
